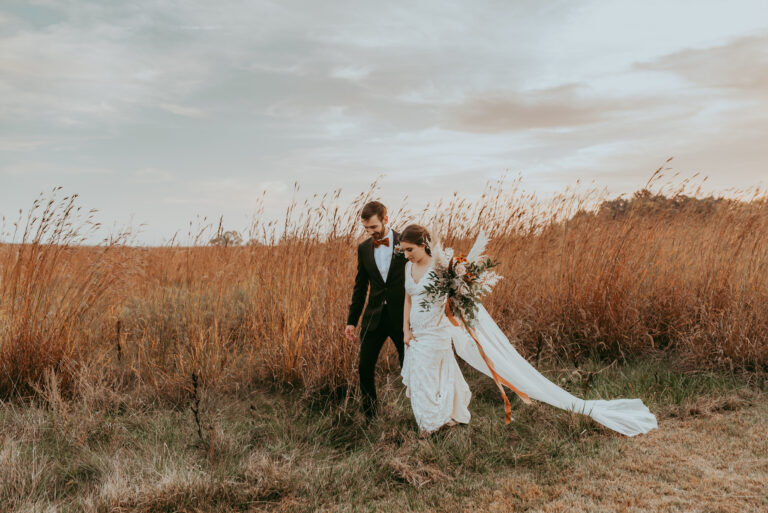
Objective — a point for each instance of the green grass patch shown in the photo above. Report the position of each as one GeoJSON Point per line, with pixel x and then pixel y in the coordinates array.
{"type": "Point", "coordinates": [279, 451]}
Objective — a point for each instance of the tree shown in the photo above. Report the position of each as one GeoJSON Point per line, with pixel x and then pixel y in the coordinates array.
{"type": "Point", "coordinates": [226, 239]}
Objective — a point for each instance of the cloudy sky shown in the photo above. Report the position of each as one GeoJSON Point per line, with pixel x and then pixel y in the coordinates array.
{"type": "Point", "coordinates": [158, 111]}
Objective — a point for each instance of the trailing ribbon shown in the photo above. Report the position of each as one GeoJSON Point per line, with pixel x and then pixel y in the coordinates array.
{"type": "Point", "coordinates": [496, 378]}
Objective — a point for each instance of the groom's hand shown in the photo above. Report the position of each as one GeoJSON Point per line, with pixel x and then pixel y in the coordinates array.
{"type": "Point", "coordinates": [349, 331]}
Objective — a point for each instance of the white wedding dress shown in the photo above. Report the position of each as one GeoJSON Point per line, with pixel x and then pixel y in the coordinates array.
{"type": "Point", "coordinates": [431, 375]}
{"type": "Point", "coordinates": [439, 393]}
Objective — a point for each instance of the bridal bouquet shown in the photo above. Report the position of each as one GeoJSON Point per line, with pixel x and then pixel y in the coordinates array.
{"type": "Point", "coordinates": [460, 281]}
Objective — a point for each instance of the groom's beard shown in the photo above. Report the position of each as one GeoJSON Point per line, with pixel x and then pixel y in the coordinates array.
{"type": "Point", "coordinates": [380, 235]}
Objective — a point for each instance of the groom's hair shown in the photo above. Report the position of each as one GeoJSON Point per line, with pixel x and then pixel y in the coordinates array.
{"type": "Point", "coordinates": [373, 208]}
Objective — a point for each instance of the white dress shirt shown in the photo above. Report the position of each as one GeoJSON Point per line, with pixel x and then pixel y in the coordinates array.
{"type": "Point", "coordinates": [383, 256]}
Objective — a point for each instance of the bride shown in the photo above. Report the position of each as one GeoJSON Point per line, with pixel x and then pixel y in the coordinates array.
{"type": "Point", "coordinates": [432, 377]}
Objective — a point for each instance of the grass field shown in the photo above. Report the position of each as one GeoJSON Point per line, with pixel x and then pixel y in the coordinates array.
{"type": "Point", "coordinates": [266, 451]}
{"type": "Point", "coordinates": [107, 351]}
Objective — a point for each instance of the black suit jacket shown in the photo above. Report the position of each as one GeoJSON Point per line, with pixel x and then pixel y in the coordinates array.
{"type": "Point", "coordinates": [393, 290]}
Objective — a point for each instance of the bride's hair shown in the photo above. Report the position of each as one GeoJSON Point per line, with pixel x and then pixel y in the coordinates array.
{"type": "Point", "coordinates": [417, 234]}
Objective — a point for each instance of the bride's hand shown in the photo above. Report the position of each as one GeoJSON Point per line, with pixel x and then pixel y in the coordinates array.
{"type": "Point", "coordinates": [408, 337]}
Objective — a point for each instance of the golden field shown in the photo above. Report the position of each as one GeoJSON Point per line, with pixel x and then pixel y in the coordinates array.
{"type": "Point", "coordinates": [207, 376]}
{"type": "Point", "coordinates": [664, 273]}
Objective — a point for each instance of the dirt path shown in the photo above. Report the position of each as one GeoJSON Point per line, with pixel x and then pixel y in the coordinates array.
{"type": "Point", "coordinates": [707, 458]}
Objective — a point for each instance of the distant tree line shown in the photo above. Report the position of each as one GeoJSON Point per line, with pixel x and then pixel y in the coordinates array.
{"type": "Point", "coordinates": [646, 203]}
{"type": "Point", "coordinates": [231, 238]}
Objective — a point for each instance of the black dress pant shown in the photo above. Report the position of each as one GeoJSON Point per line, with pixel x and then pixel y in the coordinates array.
{"type": "Point", "coordinates": [370, 347]}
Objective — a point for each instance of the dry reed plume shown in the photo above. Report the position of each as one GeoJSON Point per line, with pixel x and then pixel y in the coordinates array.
{"type": "Point", "coordinates": [668, 272]}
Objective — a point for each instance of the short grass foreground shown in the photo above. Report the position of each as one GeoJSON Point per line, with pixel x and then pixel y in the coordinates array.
{"type": "Point", "coordinates": [272, 451]}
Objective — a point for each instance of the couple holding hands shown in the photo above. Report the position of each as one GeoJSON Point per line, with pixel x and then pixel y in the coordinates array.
{"type": "Point", "coordinates": [393, 271]}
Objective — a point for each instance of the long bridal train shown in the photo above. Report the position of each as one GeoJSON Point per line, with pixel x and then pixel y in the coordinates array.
{"type": "Point", "coordinates": [627, 416]}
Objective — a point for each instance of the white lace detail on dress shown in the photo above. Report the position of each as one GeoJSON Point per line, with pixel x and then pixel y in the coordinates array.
{"type": "Point", "coordinates": [421, 320]}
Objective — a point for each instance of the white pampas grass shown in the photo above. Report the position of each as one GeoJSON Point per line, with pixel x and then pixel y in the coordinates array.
{"type": "Point", "coordinates": [441, 259]}
{"type": "Point", "coordinates": [477, 249]}
{"type": "Point", "coordinates": [438, 253]}
{"type": "Point", "coordinates": [488, 280]}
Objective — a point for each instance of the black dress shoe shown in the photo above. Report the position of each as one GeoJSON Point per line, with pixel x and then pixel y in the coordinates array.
{"type": "Point", "coordinates": [370, 414]}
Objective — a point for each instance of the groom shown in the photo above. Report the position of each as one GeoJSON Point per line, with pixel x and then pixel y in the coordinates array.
{"type": "Point", "coordinates": [384, 270]}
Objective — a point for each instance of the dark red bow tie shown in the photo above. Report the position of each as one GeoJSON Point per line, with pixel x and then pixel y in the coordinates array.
{"type": "Point", "coordinates": [377, 243]}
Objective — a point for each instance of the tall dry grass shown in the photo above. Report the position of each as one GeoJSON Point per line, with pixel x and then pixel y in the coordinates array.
{"type": "Point", "coordinates": [584, 277]}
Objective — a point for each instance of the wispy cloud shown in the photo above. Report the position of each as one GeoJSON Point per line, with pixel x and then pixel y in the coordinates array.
{"type": "Point", "coordinates": [43, 169]}
{"type": "Point", "coordinates": [204, 106]}
{"type": "Point", "coordinates": [219, 192]}
{"type": "Point", "coordinates": [189, 112]}
{"type": "Point", "coordinates": [20, 144]}
{"type": "Point", "coordinates": [149, 175]}
{"type": "Point", "coordinates": [739, 67]}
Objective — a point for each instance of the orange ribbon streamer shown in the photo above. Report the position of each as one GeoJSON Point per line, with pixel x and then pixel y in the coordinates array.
{"type": "Point", "coordinates": [496, 378]}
